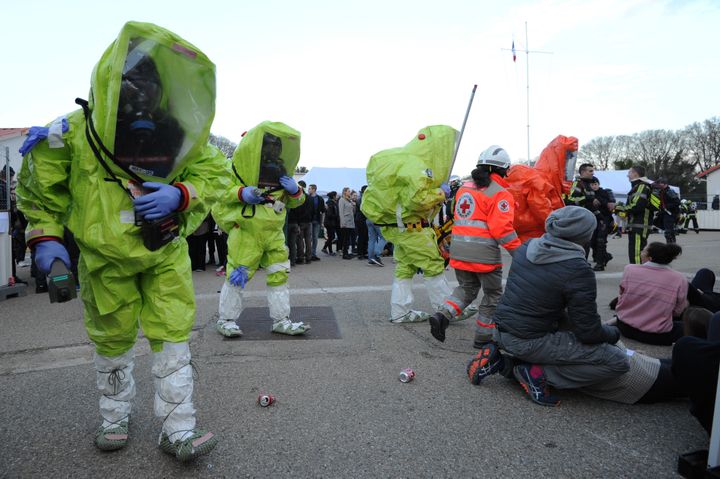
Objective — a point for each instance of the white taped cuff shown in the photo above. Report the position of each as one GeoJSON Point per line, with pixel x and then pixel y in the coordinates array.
{"type": "Point", "coordinates": [277, 267]}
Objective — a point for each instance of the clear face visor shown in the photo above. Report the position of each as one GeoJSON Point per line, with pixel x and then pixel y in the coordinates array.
{"type": "Point", "coordinates": [272, 167]}
{"type": "Point", "coordinates": [161, 114]}
{"type": "Point", "coordinates": [570, 160]}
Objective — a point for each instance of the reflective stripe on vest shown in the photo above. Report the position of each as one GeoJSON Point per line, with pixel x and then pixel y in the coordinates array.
{"type": "Point", "coordinates": [507, 238]}
{"type": "Point", "coordinates": [475, 249]}
{"type": "Point", "coordinates": [475, 223]}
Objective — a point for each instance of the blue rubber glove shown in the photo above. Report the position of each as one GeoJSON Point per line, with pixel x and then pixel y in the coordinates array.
{"type": "Point", "coordinates": [446, 189]}
{"type": "Point", "coordinates": [47, 251]}
{"type": "Point", "coordinates": [239, 276]}
{"type": "Point", "coordinates": [161, 202]}
{"type": "Point", "coordinates": [251, 195]}
{"type": "Point", "coordinates": [38, 133]}
{"type": "Point", "coordinates": [289, 184]}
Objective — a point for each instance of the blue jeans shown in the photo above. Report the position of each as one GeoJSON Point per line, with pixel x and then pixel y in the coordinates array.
{"type": "Point", "coordinates": [315, 233]}
{"type": "Point", "coordinates": [376, 242]}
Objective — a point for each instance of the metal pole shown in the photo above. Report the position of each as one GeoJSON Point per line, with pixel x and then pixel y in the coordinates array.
{"type": "Point", "coordinates": [7, 178]}
{"type": "Point", "coordinates": [462, 130]}
{"type": "Point", "coordinates": [527, 83]}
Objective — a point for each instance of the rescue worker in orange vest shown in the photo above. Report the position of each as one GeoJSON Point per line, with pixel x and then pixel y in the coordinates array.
{"type": "Point", "coordinates": [484, 212]}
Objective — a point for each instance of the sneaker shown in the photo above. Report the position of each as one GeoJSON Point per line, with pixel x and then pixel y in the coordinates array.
{"type": "Point", "coordinates": [41, 288]}
{"type": "Point", "coordinates": [438, 325]}
{"type": "Point", "coordinates": [314, 258]}
{"type": "Point", "coordinates": [488, 361]}
{"type": "Point", "coordinates": [113, 437]}
{"type": "Point", "coordinates": [300, 261]}
{"type": "Point", "coordinates": [536, 387]}
{"type": "Point", "coordinates": [379, 261]}
{"type": "Point", "coordinates": [197, 444]}
{"type": "Point", "coordinates": [228, 328]}
{"type": "Point", "coordinates": [412, 317]}
{"type": "Point", "coordinates": [375, 261]}
{"type": "Point", "coordinates": [599, 267]}
{"type": "Point", "coordinates": [347, 256]}
{"type": "Point", "coordinates": [288, 327]}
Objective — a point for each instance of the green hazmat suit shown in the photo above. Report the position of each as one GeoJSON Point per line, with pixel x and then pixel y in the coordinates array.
{"type": "Point", "coordinates": [151, 104]}
{"type": "Point", "coordinates": [121, 279]}
{"type": "Point", "coordinates": [255, 232]}
{"type": "Point", "coordinates": [404, 194]}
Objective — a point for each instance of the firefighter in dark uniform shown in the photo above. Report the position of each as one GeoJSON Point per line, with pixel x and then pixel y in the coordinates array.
{"type": "Point", "coordinates": [639, 212]}
{"type": "Point", "coordinates": [668, 209]}
{"type": "Point", "coordinates": [580, 192]}
{"type": "Point", "coordinates": [690, 208]}
{"type": "Point", "coordinates": [605, 200]}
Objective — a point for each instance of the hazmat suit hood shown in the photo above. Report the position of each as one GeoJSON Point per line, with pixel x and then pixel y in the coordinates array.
{"type": "Point", "coordinates": [557, 162]}
{"type": "Point", "coordinates": [403, 183]}
{"type": "Point", "coordinates": [265, 153]}
{"type": "Point", "coordinates": [152, 121]}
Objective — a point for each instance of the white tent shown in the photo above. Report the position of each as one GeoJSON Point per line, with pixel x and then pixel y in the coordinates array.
{"type": "Point", "coordinates": [335, 179]}
{"type": "Point", "coordinates": [618, 182]}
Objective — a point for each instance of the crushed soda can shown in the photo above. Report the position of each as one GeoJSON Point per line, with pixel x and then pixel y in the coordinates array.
{"type": "Point", "coordinates": [406, 375]}
{"type": "Point", "coordinates": [266, 400]}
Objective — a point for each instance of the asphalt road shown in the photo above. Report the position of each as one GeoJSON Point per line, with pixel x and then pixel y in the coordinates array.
{"type": "Point", "coordinates": [341, 410]}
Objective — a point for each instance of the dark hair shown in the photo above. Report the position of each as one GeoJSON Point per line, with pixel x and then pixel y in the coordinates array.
{"type": "Point", "coordinates": [595, 179]}
{"type": "Point", "coordinates": [313, 186]}
{"type": "Point", "coordinates": [332, 195]}
{"type": "Point", "coordinates": [302, 183]}
{"type": "Point", "coordinates": [481, 174]}
{"type": "Point", "coordinates": [362, 190]}
{"type": "Point", "coordinates": [662, 253]}
{"type": "Point", "coordinates": [640, 170]}
{"type": "Point", "coordinates": [584, 167]}
{"type": "Point", "coordinates": [3, 170]}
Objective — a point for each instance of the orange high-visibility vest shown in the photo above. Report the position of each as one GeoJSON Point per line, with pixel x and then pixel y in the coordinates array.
{"type": "Point", "coordinates": [483, 222]}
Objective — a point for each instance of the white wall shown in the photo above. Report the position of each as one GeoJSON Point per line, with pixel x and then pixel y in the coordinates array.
{"type": "Point", "coordinates": [713, 185]}
{"type": "Point", "coordinates": [708, 219]}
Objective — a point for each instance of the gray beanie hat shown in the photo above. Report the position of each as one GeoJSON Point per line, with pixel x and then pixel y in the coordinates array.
{"type": "Point", "coordinates": [571, 223]}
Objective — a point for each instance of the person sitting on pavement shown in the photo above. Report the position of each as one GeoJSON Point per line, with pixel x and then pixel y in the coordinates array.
{"type": "Point", "coordinates": [548, 320]}
{"type": "Point", "coordinates": [653, 298]}
{"type": "Point", "coordinates": [700, 292]}
{"type": "Point", "coordinates": [695, 365]}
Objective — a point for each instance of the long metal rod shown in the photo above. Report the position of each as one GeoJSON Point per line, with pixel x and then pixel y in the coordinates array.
{"type": "Point", "coordinates": [527, 83]}
{"type": "Point", "coordinates": [462, 130]}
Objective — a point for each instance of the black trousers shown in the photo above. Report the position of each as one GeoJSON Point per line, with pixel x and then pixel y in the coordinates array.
{"type": "Point", "coordinates": [692, 218]}
{"type": "Point", "coordinates": [668, 226]}
{"type": "Point", "coordinates": [331, 232]}
{"type": "Point", "coordinates": [347, 238]}
{"type": "Point", "coordinates": [700, 292]}
{"type": "Point", "coordinates": [637, 240]}
{"type": "Point", "coordinates": [599, 243]}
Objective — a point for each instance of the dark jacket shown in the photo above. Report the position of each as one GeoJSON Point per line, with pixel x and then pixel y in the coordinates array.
{"type": "Point", "coordinates": [539, 297]}
{"type": "Point", "coordinates": [304, 212]}
{"type": "Point", "coordinates": [332, 215]}
{"type": "Point", "coordinates": [318, 207]}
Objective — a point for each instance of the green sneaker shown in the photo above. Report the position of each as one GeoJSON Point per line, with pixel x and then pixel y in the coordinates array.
{"type": "Point", "coordinates": [468, 312]}
{"type": "Point", "coordinates": [113, 437]}
{"type": "Point", "coordinates": [288, 327]}
{"type": "Point", "coordinates": [412, 317]}
{"type": "Point", "coordinates": [228, 328]}
{"type": "Point", "coordinates": [197, 444]}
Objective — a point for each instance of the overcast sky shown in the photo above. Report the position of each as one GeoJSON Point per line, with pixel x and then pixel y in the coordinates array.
{"type": "Point", "coordinates": [356, 77]}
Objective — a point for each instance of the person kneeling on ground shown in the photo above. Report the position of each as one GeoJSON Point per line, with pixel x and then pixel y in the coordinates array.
{"type": "Point", "coordinates": [547, 319]}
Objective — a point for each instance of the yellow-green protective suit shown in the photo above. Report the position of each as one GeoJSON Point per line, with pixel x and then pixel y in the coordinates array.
{"type": "Point", "coordinates": [403, 193]}
{"type": "Point", "coordinates": [124, 284]}
{"type": "Point", "coordinates": [255, 232]}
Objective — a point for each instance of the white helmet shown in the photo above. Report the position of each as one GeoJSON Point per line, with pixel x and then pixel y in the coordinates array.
{"type": "Point", "coordinates": [494, 156]}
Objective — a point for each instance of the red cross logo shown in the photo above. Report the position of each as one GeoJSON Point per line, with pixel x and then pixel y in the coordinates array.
{"type": "Point", "coordinates": [465, 206]}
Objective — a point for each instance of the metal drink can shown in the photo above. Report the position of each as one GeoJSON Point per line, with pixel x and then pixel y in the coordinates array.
{"type": "Point", "coordinates": [265, 400]}
{"type": "Point", "coordinates": [406, 375]}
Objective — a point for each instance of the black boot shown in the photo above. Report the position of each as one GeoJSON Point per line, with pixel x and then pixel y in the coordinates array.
{"type": "Point", "coordinates": [438, 325]}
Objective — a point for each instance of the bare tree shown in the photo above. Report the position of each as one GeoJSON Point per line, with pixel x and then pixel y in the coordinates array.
{"type": "Point", "coordinates": [225, 145]}
{"type": "Point", "coordinates": [300, 170]}
{"type": "Point", "coordinates": [599, 151]}
{"type": "Point", "coordinates": [703, 142]}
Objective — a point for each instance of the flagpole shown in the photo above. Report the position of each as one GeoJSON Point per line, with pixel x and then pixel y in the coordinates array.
{"type": "Point", "coordinates": [527, 81]}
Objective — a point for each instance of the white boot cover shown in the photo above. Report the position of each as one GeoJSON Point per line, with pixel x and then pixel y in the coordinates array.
{"type": "Point", "coordinates": [400, 300]}
{"type": "Point", "coordinates": [230, 306]}
{"type": "Point", "coordinates": [115, 382]}
{"type": "Point", "coordinates": [278, 298]}
{"type": "Point", "coordinates": [438, 289]}
{"type": "Point", "coordinates": [173, 390]}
